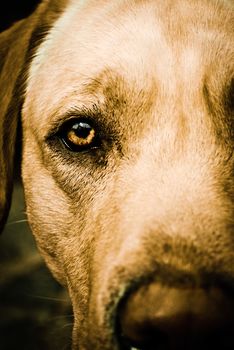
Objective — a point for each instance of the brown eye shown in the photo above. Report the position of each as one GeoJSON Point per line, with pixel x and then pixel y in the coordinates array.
{"type": "Point", "coordinates": [79, 136]}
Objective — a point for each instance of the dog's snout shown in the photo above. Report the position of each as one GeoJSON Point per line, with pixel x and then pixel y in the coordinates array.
{"type": "Point", "coordinates": [160, 317]}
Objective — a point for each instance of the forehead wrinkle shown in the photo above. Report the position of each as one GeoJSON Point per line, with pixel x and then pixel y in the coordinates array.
{"type": "Point", "coordinates": [115, 103]}
{"type": "Point", "coordinates": [123, 102]}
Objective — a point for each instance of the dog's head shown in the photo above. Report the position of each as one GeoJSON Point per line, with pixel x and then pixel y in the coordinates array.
{"type": "Point", "coordinates": [127, 115]}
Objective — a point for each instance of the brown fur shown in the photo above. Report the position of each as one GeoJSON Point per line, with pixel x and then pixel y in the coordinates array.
{"type": "Point", "coordinates": [156, 200]}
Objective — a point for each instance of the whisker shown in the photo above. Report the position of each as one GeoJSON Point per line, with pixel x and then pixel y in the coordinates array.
{"type": "Point", "coordinates": [16, 222]}
{"type": "Point", "coordinates": [66, 325]}
{"type": "Point", "coordinates": [42, 297]}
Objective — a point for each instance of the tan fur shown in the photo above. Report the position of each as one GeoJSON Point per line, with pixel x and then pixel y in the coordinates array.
{"type": "Point", "coordinates": [161, 73]}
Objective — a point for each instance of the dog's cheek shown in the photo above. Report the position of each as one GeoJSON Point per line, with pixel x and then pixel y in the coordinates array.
{"type": "Point", "coordinates": [48, 213]}
{"type": "Point", "coordinates": [62, 226]}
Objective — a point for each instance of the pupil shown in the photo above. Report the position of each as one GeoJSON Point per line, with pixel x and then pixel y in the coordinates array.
{"type": "Point", "coordinates": [82, 130]}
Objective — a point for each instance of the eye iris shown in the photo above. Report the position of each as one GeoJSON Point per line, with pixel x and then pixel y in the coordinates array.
{"type": "Point", "coordinates": [81, 134]}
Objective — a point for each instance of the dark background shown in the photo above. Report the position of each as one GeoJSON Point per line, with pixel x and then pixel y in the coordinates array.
{"type": "Point", "coordinates": [12, 10]}
{"type": "Point", "coordinates": [35, 312]}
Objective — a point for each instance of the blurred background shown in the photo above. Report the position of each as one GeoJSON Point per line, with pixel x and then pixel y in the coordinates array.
{"type": "Point", "coordinates": [35, 312]}
{"type": "Point", "coordinates": [12, 10]}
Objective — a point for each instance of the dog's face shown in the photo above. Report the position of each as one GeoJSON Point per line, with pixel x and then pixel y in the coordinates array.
{"type": "Point", "coordinates": [128, 169]}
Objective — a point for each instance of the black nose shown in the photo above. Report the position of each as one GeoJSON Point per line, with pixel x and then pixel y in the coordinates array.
{"type": "Point", "coordinates": [156, 317]}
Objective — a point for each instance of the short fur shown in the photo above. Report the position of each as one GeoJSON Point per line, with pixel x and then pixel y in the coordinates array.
{"type": "Point", "coordinates": [156, 200]}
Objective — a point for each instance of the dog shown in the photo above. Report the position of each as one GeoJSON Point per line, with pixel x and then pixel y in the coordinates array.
{"type": "Point", "coordinates": [126, 114]}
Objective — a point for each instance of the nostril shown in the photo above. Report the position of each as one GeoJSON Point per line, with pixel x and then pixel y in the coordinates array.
{"type": "Point", "coordinates": [162, 318]}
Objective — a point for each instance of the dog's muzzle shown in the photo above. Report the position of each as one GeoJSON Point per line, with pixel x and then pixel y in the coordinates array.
{"type": "Point", "coordinates": [158, 317]}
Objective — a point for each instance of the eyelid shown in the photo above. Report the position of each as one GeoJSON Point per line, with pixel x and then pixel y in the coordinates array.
{"type": "Point", "coordinates": [90, 115]}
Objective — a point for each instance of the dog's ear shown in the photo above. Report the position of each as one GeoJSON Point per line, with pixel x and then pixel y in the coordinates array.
{"type": "Point", "coordinates": [16, 48]}
{"type": "Point", "coordinates": [13, 48]}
